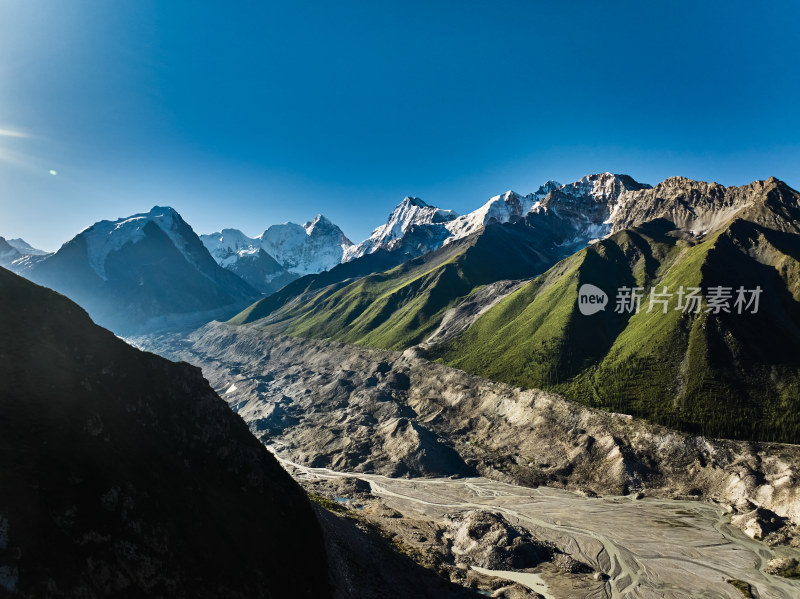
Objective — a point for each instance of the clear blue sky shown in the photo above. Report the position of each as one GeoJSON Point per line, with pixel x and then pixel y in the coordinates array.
{"type": "Point", "coordinates": [245, 114]}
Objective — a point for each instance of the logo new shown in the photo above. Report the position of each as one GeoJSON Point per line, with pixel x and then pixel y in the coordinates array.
{"type": "Point", "coordinates": [591, 299]}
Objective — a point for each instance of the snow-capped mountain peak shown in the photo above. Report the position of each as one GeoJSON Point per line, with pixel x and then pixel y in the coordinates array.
{"type": "Point", "coordinates": [323, 226]}
{"type": "Point", "coordinates": [229, 239]}
{"type": "Point", "coordinates": [244, 256]}
{"type": "Point", "coordinates": [316, 246]}
{"type": "Point", "coordinates": [415, 201]}
{"type": "Point", "coordinates": [412, 211]}
{"type": "Point", "coordinates": [587, 206]}
{"type": "Point", "coordinates": [300, 249]}
{"type": "Point", "coordinates": [229, 245]}
{"type": "Point", "coordinates": [319, 220]}
{"type": "Point", "coordinates": [106, 236]}
{"type": "Point", "coordinates": [503, 208]}
{"type": "Point", "coordinates": [8, 252]}
{"type": "Point", "coordinates": [547, 187]}
{"type": "Point", "coordinates": [23, 247]}
{"type": "Point", "coordinates": [593, 198]}
{"type": "Point", "coordinates": [603, 187]}
{"type": "Point", "coordinates": [17, 254]}
{"type": "Point", "coordinates": [145, 271]}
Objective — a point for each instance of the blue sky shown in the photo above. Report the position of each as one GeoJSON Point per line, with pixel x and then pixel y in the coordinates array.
{"type": "Point", "coordinates": [248, 114]}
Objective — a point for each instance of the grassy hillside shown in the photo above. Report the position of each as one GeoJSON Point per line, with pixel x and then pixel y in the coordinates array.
{"type": "Point", "coordinates": [399, 307]}
{"type": "Point", "coordinates": [310, 285]}
{"type": "Point", "coordinates": [734, 375]}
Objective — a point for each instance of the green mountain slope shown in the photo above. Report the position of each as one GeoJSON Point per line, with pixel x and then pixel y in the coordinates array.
{"type": "Point", "coordinates": [399, 307]}
{"type": "Point", "coordinates": [726, 374]}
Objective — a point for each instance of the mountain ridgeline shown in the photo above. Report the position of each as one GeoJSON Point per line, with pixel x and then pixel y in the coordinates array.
{"type": "Point", "coordinates": [280, 254]}
{"type": "Point", "coordinates": [399, 307]}
{"type": "Point", "coordinates": [716, 372]}
{"type": "Point", "coordinates": [396, 294]}
{"type": "Point", "coordinates": [14, 253]}
{"type": "Point", "coordinates": [125, 475]}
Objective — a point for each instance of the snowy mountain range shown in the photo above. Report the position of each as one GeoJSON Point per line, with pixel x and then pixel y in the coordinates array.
{"type": "Point", "coordinates": [280, 254]}
{"type": "Point", "coordinates": [435, 259]}
{"type": "Point", "coordinates": [417, 228]}
{"type": "Point", "coordinates": [589, 206]}
{"type": "Point", "coordinates": [8, 253]}
{"type": "Point", "coordinates": [401, 225]}
{"type": "Point", "coordinates": [16, 252]}
{"type": "Point", "coordinates": [413, 229]}
{"type": "Point", "coordinates": [151, 268]}
{"type": "Point", "coordinates": [25, 248]}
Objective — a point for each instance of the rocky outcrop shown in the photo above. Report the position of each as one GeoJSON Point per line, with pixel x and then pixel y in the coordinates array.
{"type": "Point", "coordinates": [487, 540]}
{"type": "Point", "coordinates": [758, 523]}
{"type": "Point", "coordinates": [459, 318]}
{"type": "Point", "coordinates": [696, 207]}
{"type": "Point", "coordinates": [370, 565]}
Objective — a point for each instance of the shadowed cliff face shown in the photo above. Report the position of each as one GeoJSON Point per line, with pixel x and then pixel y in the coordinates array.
{"type": "Point", "coordinates": [125, 475]}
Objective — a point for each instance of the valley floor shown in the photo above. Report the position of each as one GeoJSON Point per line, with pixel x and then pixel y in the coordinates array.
{"type": "Point", "coordinates": [646, 547]}
{"type": "Point", "coordinates": [450, 468]}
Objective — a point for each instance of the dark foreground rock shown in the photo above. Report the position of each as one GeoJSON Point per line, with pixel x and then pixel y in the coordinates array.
{"type": "Point", "coordinates": [125, 475]}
